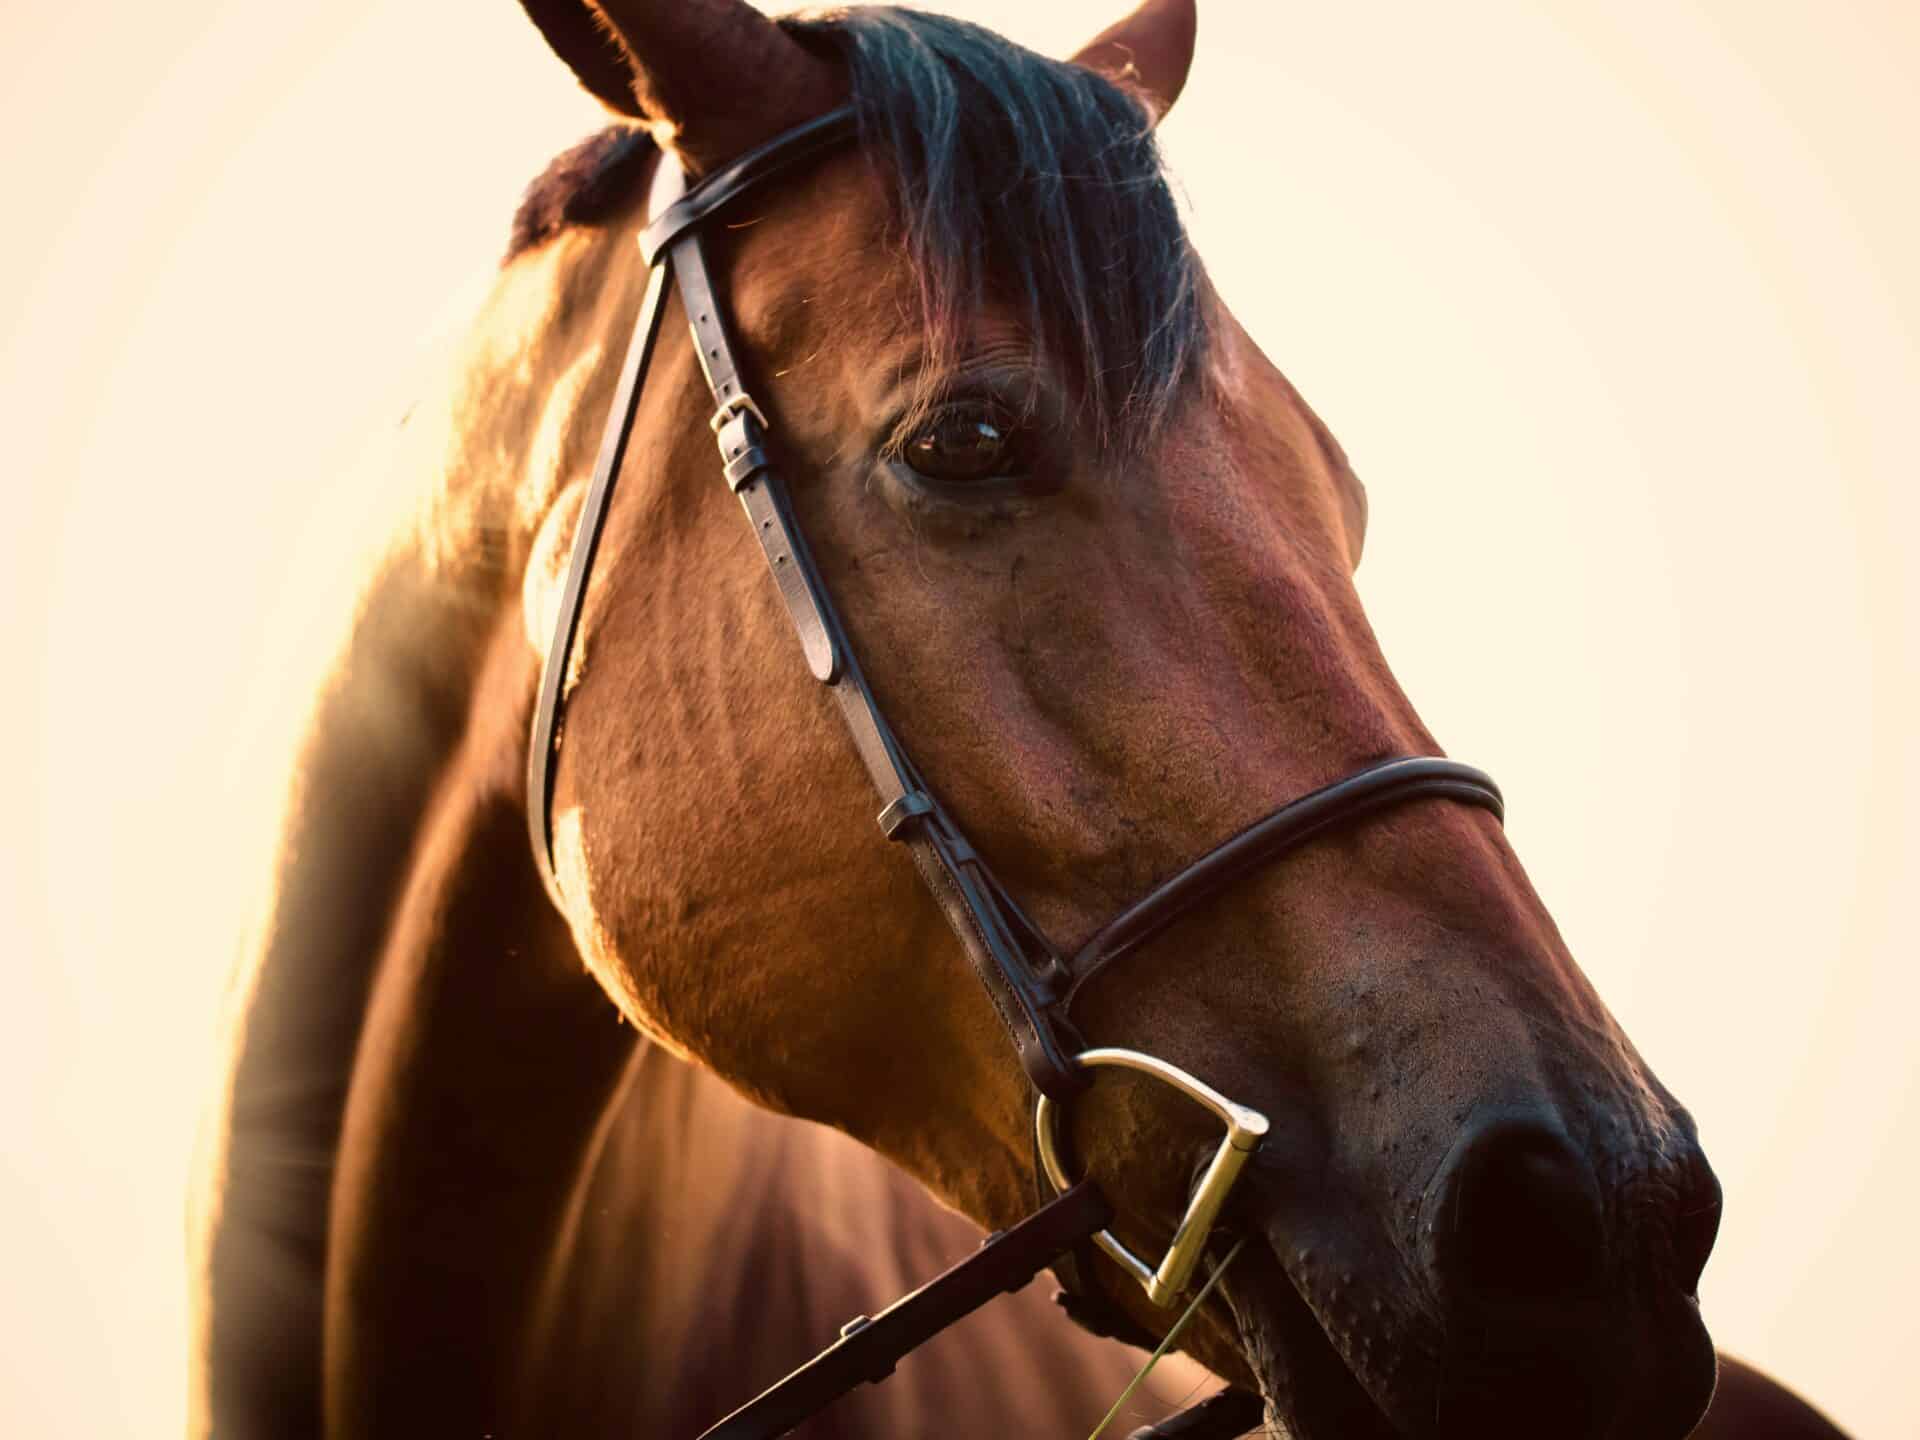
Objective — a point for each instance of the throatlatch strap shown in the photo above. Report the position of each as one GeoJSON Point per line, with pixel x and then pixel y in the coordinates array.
{"type": "Point", "coordinates": [869, 1348]}
{"type": "Point", "coordinates": [586, 540]}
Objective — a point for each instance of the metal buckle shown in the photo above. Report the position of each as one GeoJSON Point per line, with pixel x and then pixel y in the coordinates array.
{"type": "Point", "coordinates": [1245, 1130]}
{"type": "Point", "coordinates": [733, 405]}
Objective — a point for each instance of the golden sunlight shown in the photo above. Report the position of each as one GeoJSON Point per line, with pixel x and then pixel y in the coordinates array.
{"type": "Point", "coordinates": [1613, 307]}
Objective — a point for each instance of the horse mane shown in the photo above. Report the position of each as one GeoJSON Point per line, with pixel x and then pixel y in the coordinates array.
{"type": "Point", "coordinates": [1016, 177]}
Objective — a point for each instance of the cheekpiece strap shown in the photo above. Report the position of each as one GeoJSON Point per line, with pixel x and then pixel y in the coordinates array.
{"type": "Point", "coordinates": [1023, 975]}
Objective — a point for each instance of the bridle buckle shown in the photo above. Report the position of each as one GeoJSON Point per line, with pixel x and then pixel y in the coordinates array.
{"type": "Point", "coordinates": [737, 404]}
{"type": "Point", "coordinates": [1245, 1130]}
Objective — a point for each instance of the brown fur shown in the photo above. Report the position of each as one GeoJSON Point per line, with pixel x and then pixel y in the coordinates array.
{"type": "Point", "coordinates": [1102, 683]}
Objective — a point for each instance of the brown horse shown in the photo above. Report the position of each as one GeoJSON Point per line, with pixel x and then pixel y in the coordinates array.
{"type": "Point", "coordinates": [1095, 554]}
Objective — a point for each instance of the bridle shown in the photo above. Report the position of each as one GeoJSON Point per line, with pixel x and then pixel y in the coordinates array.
{"type": "Point", "coordinates": [1031, 982]}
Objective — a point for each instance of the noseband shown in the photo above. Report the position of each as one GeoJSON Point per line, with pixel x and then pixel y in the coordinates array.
{"type": "Point", "coordinates": [1031, 982]}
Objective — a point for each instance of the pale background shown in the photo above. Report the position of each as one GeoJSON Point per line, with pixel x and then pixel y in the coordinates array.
{"type": "Point", "coordinates": [1614, 305]}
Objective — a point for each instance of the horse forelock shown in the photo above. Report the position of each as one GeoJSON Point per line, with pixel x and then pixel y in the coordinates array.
{"type": "Point", "coordinates": [1036, 182]}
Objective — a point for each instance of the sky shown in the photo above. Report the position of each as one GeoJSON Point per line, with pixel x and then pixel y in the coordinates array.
{"type": "Point", "coordinates": [1614, 307]}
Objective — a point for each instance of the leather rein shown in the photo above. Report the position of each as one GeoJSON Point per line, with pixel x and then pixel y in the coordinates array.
{"type": "Point", "coordinates": [1031, 982]}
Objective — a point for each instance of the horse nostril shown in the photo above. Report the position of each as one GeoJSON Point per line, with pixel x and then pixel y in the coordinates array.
{"type": "Point", "coordinates": [1519, 1215]}
{"type": "Point", "coordinates": [1697, 1223]}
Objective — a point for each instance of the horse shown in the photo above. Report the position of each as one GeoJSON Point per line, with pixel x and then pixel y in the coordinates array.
{"type": "Point", "coordinates": [487, 1163]}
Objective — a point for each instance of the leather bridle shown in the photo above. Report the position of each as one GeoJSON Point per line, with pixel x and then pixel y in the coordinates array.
{"type": "Point", "coordinates": [1031, 982]}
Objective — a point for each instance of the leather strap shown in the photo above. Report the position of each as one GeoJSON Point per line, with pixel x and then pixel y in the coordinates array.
{"type": "Point", "coordinates": [868, 1349]}
{"type": "Point", "coordinates": [776, 157]}
{"type": "Point", "coordinates": [737, 427]}
{"type": "Point", "coordinates": [1391, 782]}
{"type": "Point", "coordinates": [543, 749]}
{"type": "Point", "coordinates": [675, 210]}
{"type": "Point", "coordinates": [1023, 975]}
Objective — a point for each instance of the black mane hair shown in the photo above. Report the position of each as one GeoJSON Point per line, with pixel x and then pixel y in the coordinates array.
{"type": "Point", "coordinates": [1029, 180]}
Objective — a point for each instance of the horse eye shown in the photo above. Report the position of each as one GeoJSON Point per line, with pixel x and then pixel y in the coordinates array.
{"type": "Point", "coordinates": [962, 446]}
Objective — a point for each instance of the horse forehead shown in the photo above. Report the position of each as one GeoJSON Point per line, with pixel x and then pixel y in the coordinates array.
{"type": "Point", "coordinates": [827, 238]}
{"type": "Point", "coordinates": [822, 287]}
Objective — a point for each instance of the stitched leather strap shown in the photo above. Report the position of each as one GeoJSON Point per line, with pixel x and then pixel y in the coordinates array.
{"type": "Point", "coordinates": [780, 154]}
{"type": "Point", "coordinates": [1023, 975]}
{"type": "Point", "coordinates": [1390, 783]}
{"type": "Point", "coordinates": [748, 470]}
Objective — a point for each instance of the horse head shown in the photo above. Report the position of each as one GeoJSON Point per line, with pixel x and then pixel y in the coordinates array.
{"type": "Point", "coordinates": [1095, 556]}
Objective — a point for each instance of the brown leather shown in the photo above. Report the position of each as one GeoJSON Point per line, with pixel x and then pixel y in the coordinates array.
{"type": "Point", "coordinates": [999, 946]}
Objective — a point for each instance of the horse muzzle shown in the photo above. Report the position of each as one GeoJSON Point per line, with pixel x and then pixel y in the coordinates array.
{"type": "Point", "coordinates": [1547, 1296]}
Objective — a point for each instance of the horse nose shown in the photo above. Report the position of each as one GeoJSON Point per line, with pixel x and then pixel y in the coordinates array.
{"type": "Point", "coordinates": [1539, 1324]}
{"type": "Point", "coordinates": [1698, 1220]}
{"type": "Point", "coordinates": [1516, 1215]}
{"type": "Point", "coordinates": [1517, 1248]}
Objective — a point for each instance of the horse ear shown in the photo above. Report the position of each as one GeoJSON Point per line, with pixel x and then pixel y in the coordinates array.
{"type": "Point", "coordinates": [594, 56]}
{"type": "Point", "coordinates": [710, 79]}
{"type": "Point", "coordinates": [1147, 54]}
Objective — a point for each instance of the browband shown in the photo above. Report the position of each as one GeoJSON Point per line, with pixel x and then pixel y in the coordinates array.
{"type": "Point", "coordinates": [762, 163]}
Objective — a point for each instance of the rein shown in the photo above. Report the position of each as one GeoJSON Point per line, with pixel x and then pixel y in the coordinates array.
{"type": "Point", "coordinates": [1031, 982]}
